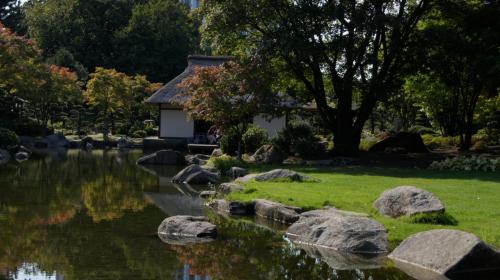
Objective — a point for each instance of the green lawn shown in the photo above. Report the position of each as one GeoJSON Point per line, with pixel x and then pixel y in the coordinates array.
{"type": "Point", "coordinates": [473, 199]}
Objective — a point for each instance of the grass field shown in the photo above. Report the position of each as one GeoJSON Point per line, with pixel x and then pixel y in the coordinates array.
{"type": "Point", "coordinates": [473, 199]}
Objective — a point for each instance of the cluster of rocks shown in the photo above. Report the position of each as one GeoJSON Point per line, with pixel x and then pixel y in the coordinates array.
{"type": "Point", "coordinates": [17, 153]}
{"type": "Point", "coordinates": [351, 240]}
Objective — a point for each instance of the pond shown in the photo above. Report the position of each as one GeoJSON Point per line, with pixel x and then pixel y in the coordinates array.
{"type": "Point", "coordinates": [94, 215]}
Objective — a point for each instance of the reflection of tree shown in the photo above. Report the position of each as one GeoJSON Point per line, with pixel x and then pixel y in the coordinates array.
{"type": "Point", "coordinates": [109, 197]}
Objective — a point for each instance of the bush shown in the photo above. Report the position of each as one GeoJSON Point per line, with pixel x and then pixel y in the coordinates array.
{"type": "Point", "coordinates": [365, 145]}
{"type": "Point", "coordinates": [8, 138]}
{"type": "Point", "coordinates": [421, 130]}
{"type": "Point", "coordinates": [297, 139]}
{"type": "Point", "coordinates": [223, 163]}
{"type": "Point", "coordinates": [139, 134]}
{"type": "Point", "coordinates": [463, 163]}
{"type": "Point", "coordinates": [229, 142]}
{"type": "Point", "coordinates": [440, 142]}
{"type": "Point", "coordinates": [26, 127]}
{"type": "Point", "coordinates": [254, 138]}
{"type": "Point", "coordinates": [434, 219]}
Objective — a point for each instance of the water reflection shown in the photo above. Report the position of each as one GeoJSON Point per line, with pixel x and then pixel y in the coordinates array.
{"type": "Point", "coordinates": [94, 215]}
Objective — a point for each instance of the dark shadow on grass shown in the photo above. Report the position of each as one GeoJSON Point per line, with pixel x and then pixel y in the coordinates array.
{"type": "Point", "coordinates": [444, 219]}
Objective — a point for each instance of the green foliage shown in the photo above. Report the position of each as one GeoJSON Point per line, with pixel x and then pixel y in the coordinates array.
{"type": "Point", "coordinates": [441, 218]}
{"type": "Point", "coordinates": [139, 134]}
{"type": "Point", "coordinates": [224, 163]}
{"type": "Point", "coordinates": [365, 145]}
{"type": "Point", "coordinates": [254, 138]}
{"type": "Point", "coordinates": [440, 142]}
{"type": "Point", "coordinates": [8, 138]}
{"type": "Point", "coordinates": [229, 141]}
{"type": "Point", "coordinates": [420, 129]}
{"type": "Point", "coordinates": [464, 163]}
{"type": "Point", "coordinates": [297, 139]}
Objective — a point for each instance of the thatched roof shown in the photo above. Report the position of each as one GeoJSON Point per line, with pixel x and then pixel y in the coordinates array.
{"type": "Point", "coordinates": [171, 93]}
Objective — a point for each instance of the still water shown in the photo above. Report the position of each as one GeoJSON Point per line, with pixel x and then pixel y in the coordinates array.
{"type": "Point", "coordinates": [94, 215]}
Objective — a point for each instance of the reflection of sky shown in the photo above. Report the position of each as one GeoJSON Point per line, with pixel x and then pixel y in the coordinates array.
{"type": "Point", "coordinates": [31, 272]}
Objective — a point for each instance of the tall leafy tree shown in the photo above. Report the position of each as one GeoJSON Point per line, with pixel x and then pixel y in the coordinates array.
{"type": "Point", "coordinates": [157, 40]}
{"type": "Point", "coordinates": [355, 46]}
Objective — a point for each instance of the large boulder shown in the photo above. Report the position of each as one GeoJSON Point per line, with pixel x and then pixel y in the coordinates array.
{"type": "Point", "coordinates": [446, 252]}
{"type": "Point", "coordinates": [227, 188]}
{"type": "Point", "coordinates": [163, 157]}
{"type": "Point", "coordinates": [342, 260]}
{"type": "Point", "coordinates": [410, 142]}
{"type": "Point", "coordinates": [22, 156]}
{"type": "Point", "coordinates": [196, 175]}
{"type": "Point", "coordinates": [339, 230]}
{"type": "Point", "coordinates": [217, 153]}
{"type": "Point", "coordinates": [186, 229]}
{"type": "Point", "coordinates": [276, 211]}
{"type": "Point", "coordinates": [4, 156]}
{"type": "Point", "coordinates": [276, 174]}
{"type": "Point", "coordinates": [197, 159]}
{"type": "Point", "coordinates": [268, 154]}
{"type": "Point", "coordinates": [231, 207]}
{"type": "Point", "coordinates": [236, 172]}
{"type": "Point", "coordinates": [57, 140]}
{"type": "Point", "coordinates": [407, 201]}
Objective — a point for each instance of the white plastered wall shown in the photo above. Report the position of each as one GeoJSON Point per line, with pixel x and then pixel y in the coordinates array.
{"type": "Point", "coordinates": [273, 126]}
{"type": "Point", "coordinates": [176, 124]}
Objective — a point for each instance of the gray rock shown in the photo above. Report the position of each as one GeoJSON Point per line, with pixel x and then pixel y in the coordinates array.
{"type": "Point", "coordinates": [207, 194]}
{"type": "Point", "coordinates": [21, 156]}
{"type": "Point", "coordinates": [231, 207]}
{"type": "Point", "coordinates": [445, 252]}
{"type": "Point", "coordinates": [186, 229]}
{"type": "Point", "coordinates": [122, 143]}
{"type": "Point", "coordinates": [339, 230]}
{"type": "Point", "coordinates": [342, 260]}
{"type": "Point", "coordinates": [407, 200]}
{"type": "Point", "coordinates": [194, 174]}
{"type": "Point", "coordinates": [268, 154]}
{"type": "Point", "coordinates": [276, 211]}
{"type": "Point", "coordinates": [237, 172]}
{"type": "Point", "coordinates": [4, 156]}
{"type": "Point", "coordinates": [57, 140]}
{"type": "Point", "coordinates": [88, 146]}
{"type": "Point", "coordinates": [163, 157]}
{"type": "Point", "coordinates": [217, 153]}
{"type": "Point", "coordinates": [197, 159]}
{"type": "Point", "coordinates": [275, 175]}
{"type": "Point", "coordinates": [226, 188]}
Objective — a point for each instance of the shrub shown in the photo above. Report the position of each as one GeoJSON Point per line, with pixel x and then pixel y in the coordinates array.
{"type": "Point", "coordinates": [8, 138]}
{"type": "Point", "coordinates": [420, 129]}
{"type": "Point", "coordinates": [480, 146]}
{"type": "Point", "coordinates": [463, 163]}
{"type": "Point", "coordinates": [254, 138]}
{"type": "Point", "coordinates": [440, 142]}
{"type": "Point", "coordinates": [365, 145]}
{"type": "Point", "coordinates": [139, 134]}
{"type": "Point", "coordinates": [297, 139]}
{"type": "Point", "coordinates": [229, 141]}
{"type": "Point", "coordinates": [223, 163]}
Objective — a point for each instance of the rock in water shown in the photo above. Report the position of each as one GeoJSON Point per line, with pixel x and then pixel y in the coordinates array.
{"type": "Point", "coordinates": [22, 156]}
{"type": "Point", "coordinates": [163, 157]}
{"type": "Point", "coordinates": [340, 230]}
{"type": "Point", "coordinates": [276, 211]}
{"type": "Point", "coordinates": [407, 200]}
{"type": "Point", "coordinates": [208, 194]}
{"type": "Point", "coordinates": [343, 260]}
{"type": "Point", "coordinates": [186, 229]}
{"type": "Point", "coordinates": [231, 207]}
{"type": "Point", "coordinates": [237, 172]}
{"type": "Point", "coordinates": [268, 154]}
{"type": "Point", "coordinates": [194, 174]}
{"type": "Point", "coordinates": [410, 142]}
{"type": "Point", "coordinates": [446, 252]}
{"type": "Point", "coordinates": [122, 143]}
{"type": "Point", "coordinates": [226, 188]}
{"type": "Point", "coordinates": [4, 156]}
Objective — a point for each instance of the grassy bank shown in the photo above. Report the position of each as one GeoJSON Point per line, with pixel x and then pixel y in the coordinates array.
{"type": "Point", "coordinates": [473, 199]}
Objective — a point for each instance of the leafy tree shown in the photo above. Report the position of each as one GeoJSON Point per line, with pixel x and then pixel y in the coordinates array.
{"type": "Point", "coordinates": [111, 92]}
{"type": "Point", "coordinates": [463, 62]}
{"type": "Point", "coordinates": [354, 46]}
{"type": "Point", "coordinates": [228, 95]}
{"type": "Point", "coordinates": [158, 38]}
{"type": "Point", "coordinates": [11, 15]}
